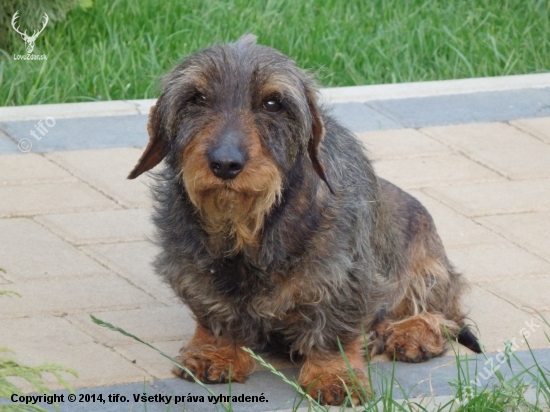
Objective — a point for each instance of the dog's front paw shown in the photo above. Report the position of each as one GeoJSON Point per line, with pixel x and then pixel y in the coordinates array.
{"type": "Point", "coordinates": [213, 360]}
{"type": "Point", "coordinates": [202, 368]}
{"type": "Point", "coordinates": [416, 339]}
{"type": "Point", "coordinates": [344, 388]}
{"type": "Point", "coordinates": [332, 380]}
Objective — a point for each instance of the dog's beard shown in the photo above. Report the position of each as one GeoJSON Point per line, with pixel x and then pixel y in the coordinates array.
{"type": "Point", "coordinates": [233, 212]}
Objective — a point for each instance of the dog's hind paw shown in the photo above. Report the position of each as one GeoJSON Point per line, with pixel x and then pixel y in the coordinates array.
{"type": "Point", "coordinates": [415, 339]}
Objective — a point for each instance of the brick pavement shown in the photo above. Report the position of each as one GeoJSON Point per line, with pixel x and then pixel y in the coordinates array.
{"type": "Point", "coordinates": [74, 232]}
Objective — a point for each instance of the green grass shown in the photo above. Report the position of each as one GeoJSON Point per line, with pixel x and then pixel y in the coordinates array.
{"type": "Point", "coordinates": [118, 49]}
{"type": "Point", "coordinates": [10, 370]}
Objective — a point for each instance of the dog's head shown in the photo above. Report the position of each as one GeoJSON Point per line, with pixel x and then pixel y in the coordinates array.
{"type": "Point", "coordinates": [233, 120]}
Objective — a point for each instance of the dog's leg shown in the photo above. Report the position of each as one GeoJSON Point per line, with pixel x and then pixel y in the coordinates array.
{"type": "Point", "coordinates": [419, 328]}
{"type": "Point", "coordinates": [328, 378]}
{"type": "Point", "coordinates": [428, 311]}
{"type": "Point", "coordinates": [212, 359]}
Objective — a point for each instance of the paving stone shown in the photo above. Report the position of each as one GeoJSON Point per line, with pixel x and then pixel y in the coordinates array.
{"type": "Point", "coordinates": [539, 128]}
{"type": "Point", "coordinates": [107, 170]}
{"type": "Point", "coordinates": [30, 252]}
{"type": "Point", "coordinates": [108, 226]}
{"type": "Point", "coordinates": [150, 360]}
{"type": "Point", "coordinates": [545, 321]}
{"type": "Point", "coordinates": [160, 367]}
{"type": "Point", "coordinates": [433, 171]}
{"type": "Point", "coordinates": [85, 295]}
{"type": "Point", "coordinates": [492, 198]}
{"type": "Point", "coordinates": [38, 340]}
{"type": "Point", "coordinates": [40, 331]}
{"type": "Point", "coordinates": [454, 228]}
{"type": "Point", "coordinates": [96, 365]}
{"type": "Point", "coordinates": [529, 294]}
{"type": "Point", "coordinates": [402, 143]}
{"type": "Point", "coordinates": [496, 261]}
{"type": "Point", "coordinates": [7, 146]}
{"type": "Point", "coordinates": [498, 320]}
{"type": "Point", "coordinates": [132, 261]}
{"type": "Point", "coordinates": [81, 133]}
{"type": "Point", "coordinates": [152, 324]}
{"type": "Point", "coordinates": [29, 200]}
{"type": "Point", "coordinates": [30, 168]}
{"type": "Point", "coordinates": [358, 117]}
{"type": "Point", "coordinates": [466, 108]}
{"type": "Point", "coordinates": [531, 230]}
{"type": "Point", "coordinates": [499, 146]}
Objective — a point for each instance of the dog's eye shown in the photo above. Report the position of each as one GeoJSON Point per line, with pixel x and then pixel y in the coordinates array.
{"type": "Point", "coordinates": [199, 98]}
{"type": "Point", "coordinates": [272, 105]}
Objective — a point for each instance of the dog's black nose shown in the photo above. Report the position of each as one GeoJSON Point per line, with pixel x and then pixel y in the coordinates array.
{"type": "Point", "coordinates": [226, 161]}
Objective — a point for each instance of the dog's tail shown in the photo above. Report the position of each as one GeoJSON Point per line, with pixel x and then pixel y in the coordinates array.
{"type": "Point", "coordinates": [467, 338]}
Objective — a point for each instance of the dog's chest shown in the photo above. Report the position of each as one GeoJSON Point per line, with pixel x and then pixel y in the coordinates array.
{"type": "Point", "coordinates": [254, 291]}
{"type": "Point", "coordinates": [230, 276]}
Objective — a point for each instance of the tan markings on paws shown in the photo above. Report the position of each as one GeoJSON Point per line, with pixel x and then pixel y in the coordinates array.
{"type": "Point", "coordinates": [326, 376]}
{"type": "Point", "coordinates": [416, 339]}
{"type": "Point", "coordinates": [210, 359]}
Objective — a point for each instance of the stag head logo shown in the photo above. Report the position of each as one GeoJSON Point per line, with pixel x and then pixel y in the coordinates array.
{"type": "Point", "coordinates": [29, 40]}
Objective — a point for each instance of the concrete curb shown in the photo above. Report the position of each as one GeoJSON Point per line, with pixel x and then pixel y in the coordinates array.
{"type": "Point", "coordinates": [435, 88]}
{"type": "Point", "coordinates": [331, 95]}
{"type": "Point", "coordinates": [426, 386]}
{"type": "Point", "coordinates": [68, 110]}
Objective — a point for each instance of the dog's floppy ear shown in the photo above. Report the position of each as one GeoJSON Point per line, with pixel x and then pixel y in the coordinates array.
{"type": "Point", "coordinates": [317, 136]}
{"type": "Point", "coordinates": [155, 150]}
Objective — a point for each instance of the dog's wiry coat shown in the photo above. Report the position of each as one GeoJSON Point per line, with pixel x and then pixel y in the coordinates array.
{"type": "Point", "coordinates": [299, 246]}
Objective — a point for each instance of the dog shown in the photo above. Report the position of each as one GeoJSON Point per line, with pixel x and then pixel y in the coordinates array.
{"type": "Point", "coordinates": [278, 235]}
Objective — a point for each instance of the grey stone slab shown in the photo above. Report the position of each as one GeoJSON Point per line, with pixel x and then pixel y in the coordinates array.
{"type": "Point", "coordinates": [82, 133]}
{"type": "Point", "coordinates": [433, 378]}
{"type": "Point", "coordinates": [466, 108]}
{"type": "Point", "coordinates": [87, 400]}
{"type": "Point", "coordinates": [7, 146]}
{"type": "Point", "coordinates": [278, 394]}
{"type": "Point", "coordinates": [360, 118]}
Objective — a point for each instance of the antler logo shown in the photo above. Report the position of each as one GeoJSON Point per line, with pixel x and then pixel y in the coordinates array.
{"type": "Point", "coordinates": [29, 40]}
